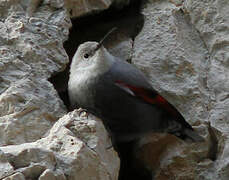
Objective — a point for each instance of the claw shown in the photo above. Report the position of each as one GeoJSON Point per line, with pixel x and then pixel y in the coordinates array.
{"type": "Point", "coordinates": [112, 145]}
{"type": "Point", "coordinates": [82, 112]}
{"type": "Point", "coordinates": [109, 147]}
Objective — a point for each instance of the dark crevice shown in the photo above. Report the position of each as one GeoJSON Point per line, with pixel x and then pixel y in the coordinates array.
{"type": "Point", "coordinates": [92, 28]}
{"type": "Point", "coordinates": [131, 167]}
{"type": "Point", "coordinates": [129, 22]}
{"type": "Point", "coordinates": [214, 143]}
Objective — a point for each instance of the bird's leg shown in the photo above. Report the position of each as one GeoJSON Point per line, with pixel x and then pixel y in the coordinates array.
{"type": "Point", "coordinates": [82, 112]}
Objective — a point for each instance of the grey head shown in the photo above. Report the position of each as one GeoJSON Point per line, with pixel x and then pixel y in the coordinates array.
{"type": "Point", "coordinates": [92, 56]}
{"type": "Point", "coordinates": [89, 62]}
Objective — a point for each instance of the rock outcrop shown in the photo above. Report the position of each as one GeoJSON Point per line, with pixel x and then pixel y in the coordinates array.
{"type": "Point", "coordinates": [78, 8]}
{"type": "Point", "coordinates": [75, 148]}
{"type": "Point", "coordinates": [183, 49]}
{"type": "Point", "coordinates": [182, 46]}
{"type": "Point", "coordinates": [36, 140]}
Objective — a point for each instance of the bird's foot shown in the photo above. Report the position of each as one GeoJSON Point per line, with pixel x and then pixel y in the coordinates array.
{"type": "Point", "coordinates": [82, 112]}
{"type": "Point", "coordinates": [112, 143]}
{"type": "Point", "coordinates": [109, 147]}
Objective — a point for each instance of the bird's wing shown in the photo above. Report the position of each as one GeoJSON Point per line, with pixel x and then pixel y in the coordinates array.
{"type": "Point", "coordinates": [133, 82]}
{"type": "Point", "coordinates": [147, 95]}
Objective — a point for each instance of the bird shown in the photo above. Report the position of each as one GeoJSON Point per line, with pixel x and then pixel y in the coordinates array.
{"type": "Point", "coordinates": [120, 94]}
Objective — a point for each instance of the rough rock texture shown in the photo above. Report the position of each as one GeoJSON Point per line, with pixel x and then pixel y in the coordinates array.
{"type": "Point", "coordinates": [5, 167]}
{"type": "Point", "coordinates": [32, 144]}
{"type": "Point", "coordinates": [77, 8]}
{"type": "Point", "coordinates": [82, 7]}
{"type": "Point", "coordinates": [28, 109]}
{"type": "Point", "coordinates": [76, 148]}
{"type": "Point", "coordinates": [120, 43]}
{"type": "Point", "coordinates": [120, 46]}
{"type": "Point", "coordinates": [31, 50]}
{"type": "Point", "coordinates": [211, 20]}
{"type": "Point", "coordinates": [183, 49]}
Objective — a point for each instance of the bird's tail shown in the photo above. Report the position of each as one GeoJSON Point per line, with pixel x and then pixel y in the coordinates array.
{"type": "Point", "coordinates": [192, 135]}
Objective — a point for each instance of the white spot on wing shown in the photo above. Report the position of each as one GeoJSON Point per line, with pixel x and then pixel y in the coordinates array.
{"type": "Point", "coordinates": [125, 89]}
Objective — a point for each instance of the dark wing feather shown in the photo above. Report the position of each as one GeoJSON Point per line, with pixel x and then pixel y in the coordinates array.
{"type": "Point", "coordinates": [134, 82]}
{"type": "Point", "coordinates": [124, 88]}
{"type": "Point", "coordinates": [149, 96]}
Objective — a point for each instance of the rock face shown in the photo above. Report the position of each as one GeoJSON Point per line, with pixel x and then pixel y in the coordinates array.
{"type": "Point", "coordinates": [211, 20]}
{"type": "Point", "coordinates": [183, 49]}
{"type": "Point", "coordinates": [33, 145]}
{"type": "Point", "coordinates": [78, 8]}
{"type": "Point", "coordinates": [31, 50]}
{"type": "Point", "coordinates": [76, 148]}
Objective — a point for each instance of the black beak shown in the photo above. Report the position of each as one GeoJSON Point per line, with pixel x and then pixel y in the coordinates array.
{"type": "Point", "coordinates": [106, 35]}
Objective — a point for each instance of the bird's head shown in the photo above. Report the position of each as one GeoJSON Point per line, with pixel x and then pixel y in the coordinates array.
{"type": "Point", "coordinates": [90, 56]}
{"type": "Point", "coordinates": [86, 55]}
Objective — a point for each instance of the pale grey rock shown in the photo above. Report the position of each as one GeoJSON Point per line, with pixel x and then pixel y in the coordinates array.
{"type": "Point", "coordinates": [5, 167]}
{"type": "Point", "coordinates": [119, 45]}
{"type": "Point", "coordinates": [210, 18]}
{"type": "Point", "coordinates": [123, 49]}
{"type": "Point", "coordinates": [51, 175]}
{"type": "Point", "coordinates": [28, 109]}
{"type": "Point", "coordinates": [16, 176]}
{"type": "Point", "coordinates": [76, 148]}
{"type": "Point", "coordinates": [37, 40]}
{"type": "Point", "coordinates": [169, 50]}
{"type": "Point", "coordinates": [183, 49]}
{"type": "Point", "coordinates": [31, 49]}
{"type": "Point", "coordinates": [87, 139]}
{"type": "Point", "coordinates": [78, 8]}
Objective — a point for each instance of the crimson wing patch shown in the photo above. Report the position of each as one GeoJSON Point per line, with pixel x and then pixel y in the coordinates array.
{"type": "Point", "coordinates": [149, 96]}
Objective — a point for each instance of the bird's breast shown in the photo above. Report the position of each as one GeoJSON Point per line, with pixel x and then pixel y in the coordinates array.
{"type": "Point", "coordinates": [81, 91]}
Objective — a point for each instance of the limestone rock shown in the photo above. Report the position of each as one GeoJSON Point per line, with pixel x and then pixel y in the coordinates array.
{"type": "Point", "coordinates": [16, 176]}
{"type": "Point", "coordinates": [169, 157]}
{"type": "Point", "coordinates": [121, 46]}
{"type": "Point", "coordinates": [5, 167]}
{"type": "Point", "coordinates": [82, 7]}
{"type": "Point", "coordinates": [76, 148]}
{"type": "Point", "coordinates": [210, 18]}
{"type": "Point", "coordinates": [183, 50]}
{"type": "Point", "coordinates": [33, 145]}
{"type": "Point", "coordinates": [31, 50]}
{"type": "Point", "coordinates": [79, 8]}
{"type": "Point", "coordinates": [170, 51]}
{"type": "Point", "coordinates": [28, 109]}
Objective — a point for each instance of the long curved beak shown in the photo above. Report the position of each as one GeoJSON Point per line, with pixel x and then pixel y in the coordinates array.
{"type": "Point", "coordinates": [106, 35]}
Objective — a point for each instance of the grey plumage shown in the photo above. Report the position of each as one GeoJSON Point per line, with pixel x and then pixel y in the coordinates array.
{"type": "Point", "coordinates": [120, 95]}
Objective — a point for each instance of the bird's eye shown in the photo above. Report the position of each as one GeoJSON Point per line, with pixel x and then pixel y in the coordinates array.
{"type": "Point", "coordinates": [86, 56]}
